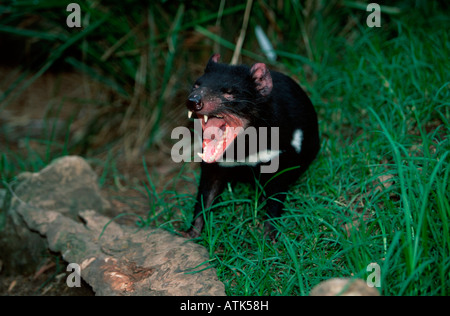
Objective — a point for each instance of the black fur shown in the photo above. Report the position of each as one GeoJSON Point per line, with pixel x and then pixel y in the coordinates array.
{"type": "Point", "coordinates": [262, 98]}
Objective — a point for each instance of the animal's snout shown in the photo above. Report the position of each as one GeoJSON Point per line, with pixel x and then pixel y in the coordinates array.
{"type": "Point", "coordinates": [194, 102]}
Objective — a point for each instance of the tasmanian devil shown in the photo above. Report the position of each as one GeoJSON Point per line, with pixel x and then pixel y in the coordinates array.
{"type": "Point", "coordinates": [252, 118]}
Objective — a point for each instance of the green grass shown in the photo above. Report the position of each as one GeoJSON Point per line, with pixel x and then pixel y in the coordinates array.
{"type": "Point", "coordinates": [377, 193]}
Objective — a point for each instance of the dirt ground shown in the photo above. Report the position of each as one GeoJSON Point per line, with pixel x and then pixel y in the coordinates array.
{"type": "Point", "coordinates": [50, 280]}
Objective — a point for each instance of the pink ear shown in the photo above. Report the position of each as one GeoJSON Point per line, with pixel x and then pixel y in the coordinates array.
{"type": "Point", "coordinates": [215, 58]}
{"type": "Point", "coordinates": [263, 79]}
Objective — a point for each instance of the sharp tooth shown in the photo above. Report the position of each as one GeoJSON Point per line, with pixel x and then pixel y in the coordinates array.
{"type": "Point", "coordinates": [189, 114]}
{"type": "Point", "coordinates": [206, 118]}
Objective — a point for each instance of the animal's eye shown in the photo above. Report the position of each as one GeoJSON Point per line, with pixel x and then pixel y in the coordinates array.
{"type": "Point", "coordinates": [228, 93]}
{"type": "Point", "coordinates": [227, 90]}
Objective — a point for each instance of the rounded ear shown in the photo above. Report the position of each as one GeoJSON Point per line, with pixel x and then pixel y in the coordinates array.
{"type": "Point", "coordinates": [263, 80]}
{"type": "Point", "coordinates": [214, 59]}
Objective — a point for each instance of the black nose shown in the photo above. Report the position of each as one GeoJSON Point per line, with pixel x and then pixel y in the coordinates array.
{"type": "Point", "coordinates": [195, 102]}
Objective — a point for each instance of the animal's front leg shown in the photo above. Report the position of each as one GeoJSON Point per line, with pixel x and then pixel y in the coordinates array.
{"type": "Point", "coordinates": [212, 182]}
{"type": "Point", "coordinates": [275, 205]}
{"type": "Point", "coordinates": [275, 194]}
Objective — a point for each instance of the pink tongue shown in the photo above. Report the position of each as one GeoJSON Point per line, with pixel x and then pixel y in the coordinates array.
{"type": "Point", "coordinates": [213, 127]}
{"type": "Point", "coordinates": [209, 152]}
{"type": "Point", "coordinates": [213, 140]}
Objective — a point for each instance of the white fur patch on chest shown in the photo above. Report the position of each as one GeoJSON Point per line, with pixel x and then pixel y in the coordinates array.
{"type": "Point", "coordinates": [297, 139]}
{"type": "Point", "coordinates": [253, 159]}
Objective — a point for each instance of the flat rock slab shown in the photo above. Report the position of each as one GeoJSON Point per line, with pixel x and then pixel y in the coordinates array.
{"type": "Point", "coordinates": [113, 259]}
{"type": "Point", "coordinates": [344, 287]}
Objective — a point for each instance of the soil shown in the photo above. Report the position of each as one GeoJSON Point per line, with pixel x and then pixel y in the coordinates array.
{"type": "Point", "coordinates": [50, 280]}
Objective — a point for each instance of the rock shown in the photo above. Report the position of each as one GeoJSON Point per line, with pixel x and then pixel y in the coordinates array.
{"type": "Point", "coordinates": [68, 185]}
{"type": "Point", "coordinates": [117, 260]}
{"type": "Point", "coordinates": [113, 259]}
{"type": "Point", "coordinates": [343, 287]}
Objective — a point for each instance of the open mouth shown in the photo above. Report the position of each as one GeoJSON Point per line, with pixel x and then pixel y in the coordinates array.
{"type": "Point", "coordinates": [219, 132]}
